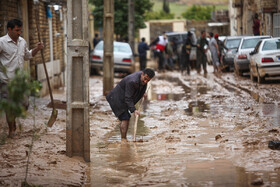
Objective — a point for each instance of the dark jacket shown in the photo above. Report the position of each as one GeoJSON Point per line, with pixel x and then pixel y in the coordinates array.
{"type": "Point", "coordinates": [126, 94]}
{"type": "Point", "coordinates": [187, 46]}
{"type": "Point", "coordinates": [142, 48]}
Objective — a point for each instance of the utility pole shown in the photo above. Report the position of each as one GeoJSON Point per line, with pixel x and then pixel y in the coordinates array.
{"type": "Point", "coordinates": [131, 24]}
{"type": "Point", "coordinates": [77, 124]}
{"type": "Point", "coordinates": [108, 57]}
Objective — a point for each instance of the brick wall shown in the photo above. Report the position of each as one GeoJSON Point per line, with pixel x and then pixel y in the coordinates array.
{"type": "Point", "coordinates": [8, 10]}
{"type": "Point", "coordinates": [268, 4]}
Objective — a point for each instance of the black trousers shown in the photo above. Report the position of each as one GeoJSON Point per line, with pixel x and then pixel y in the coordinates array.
{"type": "Point", "coordinates": [143, 61]}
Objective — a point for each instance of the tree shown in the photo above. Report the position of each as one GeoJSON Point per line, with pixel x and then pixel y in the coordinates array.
{"type": "Point", "coordinates": [121, 14]}
{"type": "Point", "coordinates": [198, 12]}
{"type": "Point", "coordinates": [165, 6]}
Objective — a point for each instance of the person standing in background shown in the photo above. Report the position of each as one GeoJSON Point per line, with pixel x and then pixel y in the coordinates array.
{"type": "Point", "coordinates": [96, 40]}
{"type": "Point", "coordinates": [214, 53]}
{"type": "Point", "coordinates": [202, 47]}
{"type": "Point", "coordinates": [160, 46]}
{"type": "Point", "coordinates": [256, 25]}
{"type": "Point", "coordinates": [186, 50]}
{"type": "Point", "coordinates": [142, 50]}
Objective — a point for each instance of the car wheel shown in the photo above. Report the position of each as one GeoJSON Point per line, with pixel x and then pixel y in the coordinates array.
{"type": "Point", "coordinates": [252, 77]}
{"type": "Point", "coordinates": [237, 72]}
{"type": "Point", "coordinates": [260, 79]}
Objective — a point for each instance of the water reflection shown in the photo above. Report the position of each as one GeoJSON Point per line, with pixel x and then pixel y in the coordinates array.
{"type": "Point", "coordinates": [271, 110]}
{"type": "Point", "coordinates": [197, 108]}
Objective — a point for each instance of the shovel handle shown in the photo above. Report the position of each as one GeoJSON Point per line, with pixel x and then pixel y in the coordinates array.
{"type": "Point", "coordinates": [42, 54]}
{"type": "Point", "coordinates": [137, 117]}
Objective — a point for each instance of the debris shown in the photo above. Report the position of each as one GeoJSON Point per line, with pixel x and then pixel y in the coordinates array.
{"type": "Point", "coordinates": [218, 137]}
{"type": "Point", "coordinates": [273, 131]}
{"type": "Point", "coordinates": [257, 182]}
{"type": "Point", "coordinates": [274, 144]}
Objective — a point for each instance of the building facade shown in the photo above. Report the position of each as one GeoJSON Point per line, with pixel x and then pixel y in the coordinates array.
{"type": "Point", "coordinates": [242, 12]}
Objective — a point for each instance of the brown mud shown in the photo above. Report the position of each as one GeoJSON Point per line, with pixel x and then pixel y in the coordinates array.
{"type": "Point", "coordinates": [193, 131]}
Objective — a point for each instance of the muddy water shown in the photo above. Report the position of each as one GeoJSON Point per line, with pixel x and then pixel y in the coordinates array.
{"type": "Point", "coordinates": [179, 139]}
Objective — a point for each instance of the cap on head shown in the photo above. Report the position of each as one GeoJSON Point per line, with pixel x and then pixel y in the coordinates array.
{"type": "Point", "coordinates": [216, 36]}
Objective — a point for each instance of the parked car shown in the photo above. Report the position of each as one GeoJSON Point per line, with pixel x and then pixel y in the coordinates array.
{"type": "Point", "coordinates": [231, 43]}
{"type": "Point", "coordinates": [265, 59]}
{"type": "Point", "coordinates": [123, 57]}
{"type": "Point", "coordinates": [241, 58]}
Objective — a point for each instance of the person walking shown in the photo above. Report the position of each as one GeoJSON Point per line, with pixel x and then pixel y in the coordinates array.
{"type": "Point", "coordinates": [142, 50]}
{"type": "Point", "coordinates": [202, 47]}
{"type": "Point", "coordinates": [221, 47]}
{"type": "Point", "coordinates": [214, 53]}
{"type": "Point", "coordinates": [185, 53]}
{"type": "Point", "coordinates": [256, 25]}
{"type": "Point", "coordinates": [13, 53]}
{"type": "Point", "coordinates": [170, 55]}
{"type": "Point", "coordinates": [96, 40]}
{"type": "Point", "coordinates": [160, 46]}
{"type": "Point", "coordinates": [126, 94]}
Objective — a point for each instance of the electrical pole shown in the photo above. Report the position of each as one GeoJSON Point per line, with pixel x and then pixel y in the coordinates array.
{"type": "Point", "coordinates": [108, 57]}
{"type": "Point", "coordinates": [131, 24]}
{"type": "Point", "coordinates": [77, 124]}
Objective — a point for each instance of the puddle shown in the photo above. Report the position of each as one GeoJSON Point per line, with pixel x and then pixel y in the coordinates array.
{"type": "Point", "coordinates": [197, 108]}
{"type": "Point", "coordinates": [271, 110]}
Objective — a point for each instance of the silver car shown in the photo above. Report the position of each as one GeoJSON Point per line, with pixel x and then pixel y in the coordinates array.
{"type": "Point", "coordinates": [265, 60]}
{"type": "Point", "coordinates": [123, 57]}
{"type": "Point", "coordinates": [231, 43]}
{"type": "Point", "coordinates": [241, 58]}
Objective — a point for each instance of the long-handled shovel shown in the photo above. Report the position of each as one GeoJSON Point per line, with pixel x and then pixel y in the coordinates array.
{"type": "Point", "coordinates": [137, 117]}
{"type": "Point", "coordinates": [54, 111]}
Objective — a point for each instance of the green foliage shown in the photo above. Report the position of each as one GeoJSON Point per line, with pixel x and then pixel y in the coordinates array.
{"type": "Point", "coordinates": [158, 15]}
{"type": "Point", "coordinates": [121, 14]}
{"type": "Point", "coordinates": [165, 7]}
{"type": "Point", "coordinates": [197, 12]}
{"type": "Point", "coordinates": [19, 88]}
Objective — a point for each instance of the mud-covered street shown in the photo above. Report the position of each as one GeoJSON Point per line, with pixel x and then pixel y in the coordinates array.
{"type": "Point", "coordinates": [194, 131]}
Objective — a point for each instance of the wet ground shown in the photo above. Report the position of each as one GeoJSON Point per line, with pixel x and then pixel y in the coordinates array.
{"type": "Point", "coordinates": [194, 131]}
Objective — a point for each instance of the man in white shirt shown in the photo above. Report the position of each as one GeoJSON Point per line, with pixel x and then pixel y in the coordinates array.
{"type": "Point", "coordinates": [13, 52]}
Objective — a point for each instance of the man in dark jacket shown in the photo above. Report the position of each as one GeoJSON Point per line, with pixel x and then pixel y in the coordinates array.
{"type": "Point", "coordinates": [142, 50]}
{"type": "Point", "coordinates": [185, 54]}
{"type": "Point", "coordinates": [126, 94]}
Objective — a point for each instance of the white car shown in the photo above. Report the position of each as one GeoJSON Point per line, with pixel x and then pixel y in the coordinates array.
{"type": "Point", "coordinates": [265, 60]}
{"type": "Point", "coordinates": [123, 57]}
{"type": "Point", "coordinates": [241, 58]}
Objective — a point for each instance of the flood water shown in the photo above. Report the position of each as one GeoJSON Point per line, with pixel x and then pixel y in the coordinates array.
{"type": "Point", "coordinates": [181, 152]}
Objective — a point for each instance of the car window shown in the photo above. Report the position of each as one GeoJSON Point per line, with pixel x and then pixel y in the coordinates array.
{"type": "Point", "coordinates": [258, 46]}
{"type": "Point", "coordinates": [271, 45]}
{"type": "Point", "coordinates": [231, 44]}
{"type": "Point", "coordinates": [122, 48]}
{"type": "Point", "coordinates": [250, 43]}
{"type": "Point", "coordinates": [99, 46]}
